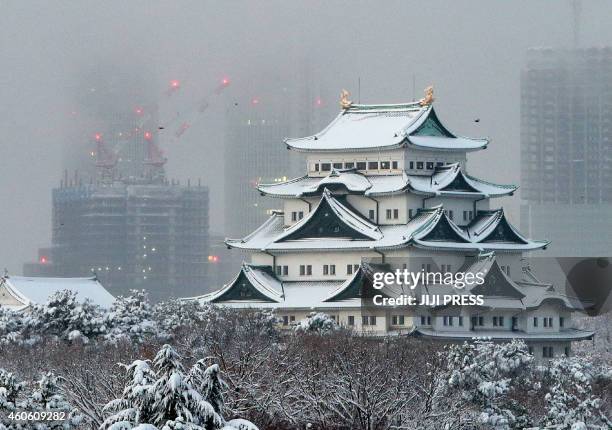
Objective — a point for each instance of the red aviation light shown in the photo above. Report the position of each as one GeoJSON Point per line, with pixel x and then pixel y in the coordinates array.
{"type": "Point", "coordinates": [225, 82]}
{"type": "Point", "coordinates": [98, 137]}
{"type": "Point", "coordinates": [43, 259]}
{"type": "Point", "coordinates": [319, 102]}
{"type": "Point", "coordinates": [213, 258]}
{"type": "Point", "coordinates": [255, 101]}
{"type": "Point", "coordinates": [138, 111]}
{"type": "Point", "coordinates": [175, 84]}
{"type": "Point", "coordinates": [148, 135]}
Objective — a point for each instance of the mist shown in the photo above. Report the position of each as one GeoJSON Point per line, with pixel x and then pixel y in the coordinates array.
{"type": "Point", "coordinates": [66, 66]}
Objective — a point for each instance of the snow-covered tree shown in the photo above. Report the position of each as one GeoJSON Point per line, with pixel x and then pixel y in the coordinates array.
{"type": "Point", "coordinates": [317, 322]}
{"type": "Point", "coordinates": [11, 325]}
{"type": "Point", "coordinates": [163, 397]}
{"type": "Point", "coordinates": [130, 318]}
{"type": "Point", "coordinates": [207, 380]}
{"type": "Point", "coordinates": [64, 317]}
{"type": "Point", "coordinates": [136, 404]}
{"type": "Point", "coordinates": [47, 397]}
{"type": "Point", "coordinates": [570, 401]}
{"type": "Point", "coordinates": [10, 398]}
{"type": "Point", "coordinates": [484, 374]}
{"type": "Point", "coordinates": [175, 314]}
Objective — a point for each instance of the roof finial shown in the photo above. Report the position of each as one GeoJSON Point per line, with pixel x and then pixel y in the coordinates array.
{"type": "Point", "coordinates": [6, 275]}
{"type": "Point", "coordinates": [345, 103]}
{"type": "Point", "coordinates": [429, 98]}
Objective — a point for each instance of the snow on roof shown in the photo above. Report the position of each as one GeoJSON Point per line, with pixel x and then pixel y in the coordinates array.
{"type": "Point", "coordinates": [353, 220]}
{"type": "Point", "coordinates": [501, 292]}
{"type": "Point", "coordinates": [272, 236]}
{"type": "Point", "coordinates": [490, 230]}
{"type": "Point", "coordinates": [451, 180]}
{"type": "Point", "coordinates": [430, 228]}
{"type": "Point", "coordinates": [372, 127]}
{"type": "Point", "coordinates": [448, 180]}
{"type": "Point", "coordinates": [294, 295]}
{"type": "Point", "coordinates": [36, 290]}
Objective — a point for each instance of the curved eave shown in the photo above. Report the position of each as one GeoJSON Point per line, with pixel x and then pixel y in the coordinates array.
{"type": "Point", "coordinates": [255, 282]}
{"type": "Point", "coordinates": [566, 302]}
{"type": "Point", "coordinates": [292, 146]}
{"type": "Point", "coordinates": [478, 246]}
{"type": "Point", "coordinates": [469, 145]}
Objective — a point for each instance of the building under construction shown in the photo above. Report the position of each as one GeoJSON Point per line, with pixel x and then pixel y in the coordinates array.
{"type": "Point", "coordinates": [130, 225]}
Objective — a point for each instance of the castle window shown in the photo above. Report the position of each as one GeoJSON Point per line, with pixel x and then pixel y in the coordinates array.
{"type": "Point", "coordinates": [300, 215]}
{"type": "Point", "coordinates": [419, 165]}
{"type": "Point", "coordinates": [325, 269]}
{"type": "Point", "coordinates": [385, 165]}
{"type": "Point", "coordinates": [412, 165]}
{"type": "Point", "coordinates": [567, 351]}
{"type": "Point", "coordinates": [285, 319]}
{"type": "Point", "coordinates": [351, 320]}
{"type": "Point", "coordinates": [371, 214]}
{"type": "Point", "coordinates": [361, 165]}
{"type": "Point", "coordinates": [535, 321]}
{"type": "Point", "coordinates": [349, 165]}
{"type": "Point", "coordinates": [332, 269]}
{"type": "Point", "coordinates": [285, 270]}
{"type": "Point", "coordinates": [395, 213]}
{"type": "Point", "coordinates": [293, 216]}
{"type": "Point", "coordinates": [365, 320]}
{"type": "Point", "coordinates": [397, 320]}
{"type": "Point", "coordinates": [315, 167]}
{"type": "Point", "coordinates": [548, 352]}
{"type": "Point", "coordinates": [388, 213]}
{"type": "Point", "coordinates": [325, 167]}
{"type": "Point", "coordinates": [309, 270]}
{"type": "Point", "coordinates": [292, 318]}
{"type": "Point", "coordinates": [373, 165]}
{"type": "Point", "coordinates": [337, 165]}
{"type": "Point", "coordinates": [561, 322]}
{"type": "Point", "coordinates": [439, 164]}
{"type": "Point", "coordinates": [279, 270]}
{"type": "Point", "coordinates": [461, 320]}
{"type": "Point", "coordinates": [373, 320]}
{"type": "Point", "coordinates": [349, 269]}
{"type": "Point", "coordinates": [394, 165]}
{"type": "Point", "coordinates": [430, 165]}
{"type": "Point", "coordinates": [410, 211]}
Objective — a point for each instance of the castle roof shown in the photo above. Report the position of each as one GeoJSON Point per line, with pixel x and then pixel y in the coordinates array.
{"type": "Point", "coordinates": [30, 290]}
{"type": "Point", "coordinates": [335, 225]}
{"type": "Point", "coordinates": [448, 180]}
{"type": "Point", "coordinates": [388, 126]}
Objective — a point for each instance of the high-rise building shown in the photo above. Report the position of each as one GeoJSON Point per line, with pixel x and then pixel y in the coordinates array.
{"type": "Point", "coordinates": [566, 149]}
{"type": "Point", "coordinates": [151, 236]}
{"type": "Point", "coordinates": [387, 189]}
{"type": "Point", "coordinates": [129, 225]}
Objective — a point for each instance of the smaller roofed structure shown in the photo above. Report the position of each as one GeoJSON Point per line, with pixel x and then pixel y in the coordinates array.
{"type": "Point", "coordinates": [21, 292]}
{"type": "Point", "coordinates": [449, 180]}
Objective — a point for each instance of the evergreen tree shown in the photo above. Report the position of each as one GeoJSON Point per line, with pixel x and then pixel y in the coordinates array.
{"type": "Point", "coordinates": [47, 397]}
{"type": "Point", "coordinates": [317, 322]}
{"type": "Point", "coordinates": [207, 380]}
{"type": "Point", "coordinates": [130, 318]}
{"type": "Point", "coordinates": [136, 403]}
{"type": "Point", "coordinates": [10, 399]}
{"type": "Point", "coordinates": [65, 318]}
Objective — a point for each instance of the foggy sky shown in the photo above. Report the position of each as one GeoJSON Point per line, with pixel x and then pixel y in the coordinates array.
{"type": "Point", "coordinates": [54, 53]}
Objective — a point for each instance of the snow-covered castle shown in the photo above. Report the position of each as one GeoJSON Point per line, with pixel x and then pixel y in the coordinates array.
{"type": "Point", "coordinates": [389, 184]}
